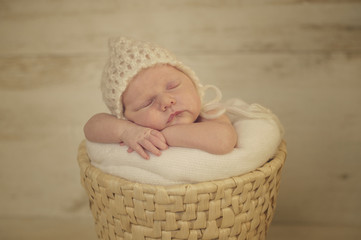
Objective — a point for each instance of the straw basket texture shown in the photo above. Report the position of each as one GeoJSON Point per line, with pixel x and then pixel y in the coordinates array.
{"type": "Point", "coordinates": [240, 207]}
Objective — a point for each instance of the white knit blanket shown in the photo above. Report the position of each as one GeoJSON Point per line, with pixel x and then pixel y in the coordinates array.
{"type": "Point", "coordinates": [258, 140]}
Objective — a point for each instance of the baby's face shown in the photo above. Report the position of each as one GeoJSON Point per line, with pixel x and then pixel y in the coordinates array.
{"type": "Point", "coordinates": [161, 96]}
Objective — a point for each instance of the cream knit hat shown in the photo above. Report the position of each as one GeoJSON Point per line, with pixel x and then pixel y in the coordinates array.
{"type": "Point", "coordinates": [126, 59]}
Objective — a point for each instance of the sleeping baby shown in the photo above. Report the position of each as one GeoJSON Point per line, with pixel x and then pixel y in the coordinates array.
{"type": "Point", "coordinates": [157, 108]}
{"type": "Point", "coordinates": [156, 102]}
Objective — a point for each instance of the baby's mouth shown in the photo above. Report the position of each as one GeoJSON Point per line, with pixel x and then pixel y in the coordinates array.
{"type": "Point", "coordinates": [173, 115]}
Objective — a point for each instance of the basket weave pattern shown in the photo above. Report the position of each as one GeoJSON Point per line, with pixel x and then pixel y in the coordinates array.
{"type": "Point", "coordinates": [240, 207]}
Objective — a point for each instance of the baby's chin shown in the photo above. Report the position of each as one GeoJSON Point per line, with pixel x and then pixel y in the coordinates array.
{"type": "Point", "coordinates": [179, 121]}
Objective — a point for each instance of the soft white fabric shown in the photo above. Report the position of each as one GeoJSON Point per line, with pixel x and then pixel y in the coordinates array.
{"type": "Point", "coordinates": [258, 139]}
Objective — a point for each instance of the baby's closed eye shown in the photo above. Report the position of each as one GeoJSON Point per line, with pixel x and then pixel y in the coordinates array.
{"type": "Point", "coordinates": [146, 104]}
{"type": "Point", "coordinates": [173, 84]}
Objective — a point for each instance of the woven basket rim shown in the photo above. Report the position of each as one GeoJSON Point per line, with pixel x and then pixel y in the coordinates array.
{"type": "Point", "coordinates": [270, 167]}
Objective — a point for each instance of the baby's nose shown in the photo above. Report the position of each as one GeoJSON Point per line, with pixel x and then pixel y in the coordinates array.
{"type": "Point", "coordinates": [166, 102]}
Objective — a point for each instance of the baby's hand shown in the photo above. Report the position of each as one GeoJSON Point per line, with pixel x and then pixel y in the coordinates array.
{"type": "Point", "coordinates": [139, 139]}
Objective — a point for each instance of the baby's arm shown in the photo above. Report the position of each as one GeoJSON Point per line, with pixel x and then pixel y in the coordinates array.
{"type": "Point", "coordinates": [216, 136]}
{"type": "Point", "coordinates": [105, 128]}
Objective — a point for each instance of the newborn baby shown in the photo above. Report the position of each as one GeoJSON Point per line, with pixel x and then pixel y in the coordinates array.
{"type": "Point", "coordinates": [156, 103]}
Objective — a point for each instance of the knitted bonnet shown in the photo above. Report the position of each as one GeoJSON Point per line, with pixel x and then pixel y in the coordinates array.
{"type": "Point", "coordinates": [127, 57]}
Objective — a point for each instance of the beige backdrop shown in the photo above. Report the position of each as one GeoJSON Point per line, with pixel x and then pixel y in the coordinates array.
{"type": "Point", "coordinates": [302, 59]}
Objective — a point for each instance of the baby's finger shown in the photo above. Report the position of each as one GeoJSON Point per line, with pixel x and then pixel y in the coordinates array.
{"type": "Point", "coordinates": [158, 143]}
{"type": "Point", "coordinates": [151, 148]}
{"type": "Point", "coordinates": [130, 150]}
{"type": "Point", "coordinates": [158, 135]}
{"type": "Point", "coordinates": [139, 149]}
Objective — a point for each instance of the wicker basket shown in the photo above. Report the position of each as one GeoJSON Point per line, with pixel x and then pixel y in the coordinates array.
{"type": "Point", "coordinates": [240, 207]}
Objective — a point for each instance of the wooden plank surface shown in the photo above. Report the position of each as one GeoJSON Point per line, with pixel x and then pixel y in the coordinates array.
{"type": "Point", "coordinates": [194, 29]}
{"type": "Point", "coordinates": [42, 228]}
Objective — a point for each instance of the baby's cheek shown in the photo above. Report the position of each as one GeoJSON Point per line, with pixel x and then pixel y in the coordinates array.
{"type": "Point", "coordinates": [154, 121]}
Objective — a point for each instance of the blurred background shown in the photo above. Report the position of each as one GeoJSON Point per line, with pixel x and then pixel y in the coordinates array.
{"type": "Point", "coordinates": [301, 59]}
